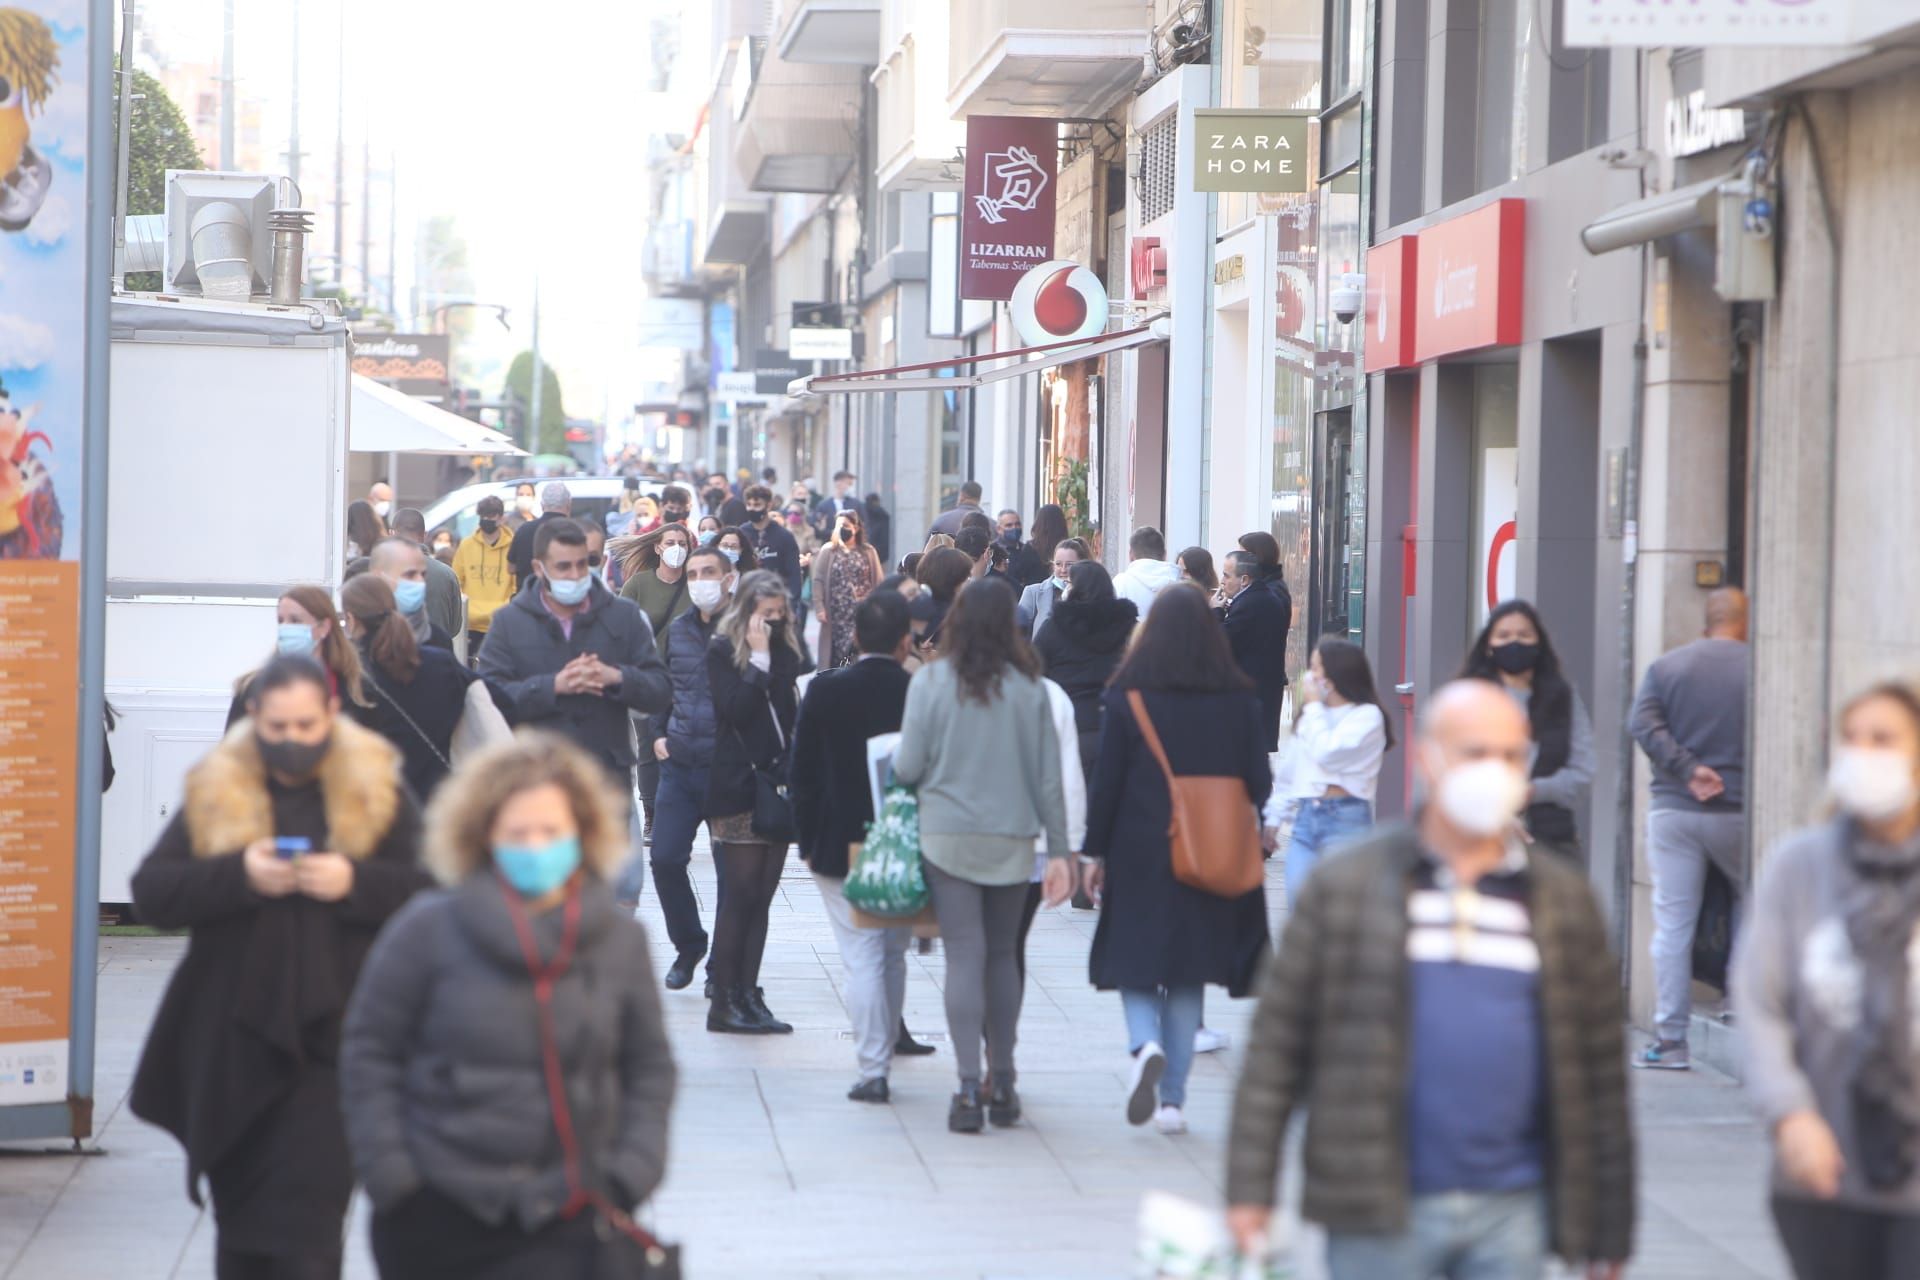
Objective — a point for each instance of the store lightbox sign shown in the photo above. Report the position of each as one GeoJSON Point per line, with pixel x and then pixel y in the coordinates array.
{"type": "Point", "coordinates": [1707, 23]}
{"type": "Point", "coordinates": [1251, 149]}
{"type": "Point", "coordinates": [1470, 279]}
{"type": "Point", "coordinates": [1392, 284]}
{"type": "Point", "coordinates": [820, 344]}
{"type": "Point", "coordinates": [1006, 217]}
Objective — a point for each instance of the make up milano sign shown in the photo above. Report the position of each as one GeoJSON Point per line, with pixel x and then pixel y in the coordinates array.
{"type": "Point", "coordinates": [1241, 149]}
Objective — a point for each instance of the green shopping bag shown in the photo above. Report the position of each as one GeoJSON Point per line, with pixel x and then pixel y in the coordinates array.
{"type": "Point", "coordinates": [887, 880]}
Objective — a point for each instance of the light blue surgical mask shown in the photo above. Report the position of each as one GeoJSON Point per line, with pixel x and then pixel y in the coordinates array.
{"type": "Point", "coordinates": [569, 591]}
{"type": "Point", "coordinates": [1060, 582]}
{"type": "Point", "coordinates": [537, 870]}
{"type": "Point", "coordinates": [296, 640]}
{"type": "Point", "coordinates": [733, 556]}
{"type": "Point", "coordinates": [706, 539]}
{"type": "Point", "coordinates": [410, 594]}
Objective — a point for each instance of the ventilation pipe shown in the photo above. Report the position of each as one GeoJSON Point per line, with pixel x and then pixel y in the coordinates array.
{"type": "Point", "coordinates": [290, 228]}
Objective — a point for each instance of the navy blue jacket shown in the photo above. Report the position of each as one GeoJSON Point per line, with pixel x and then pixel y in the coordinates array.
{"type": "Point", "coordinates": [687, 723]}
{"type": "Point", "coordinates": [1257, 626]}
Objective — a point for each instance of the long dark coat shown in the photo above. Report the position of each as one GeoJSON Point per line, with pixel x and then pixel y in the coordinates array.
{"type": "Point", "coordinates": [241, 1064]}
{"type": "Point", "coordinates": [1155, 931]}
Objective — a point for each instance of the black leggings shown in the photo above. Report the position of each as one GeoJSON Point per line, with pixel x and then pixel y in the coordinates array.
{"type": "Point", "coordinates": [1836, 1242]}
{"type": "Point", "coordinates": [749, 877]}
{"type": "Point", "coordinates": [231, 1265]}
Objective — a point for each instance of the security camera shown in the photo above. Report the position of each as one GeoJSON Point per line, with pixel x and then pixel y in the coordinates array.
{"type": "Point", "coordinates": [1348, 296]}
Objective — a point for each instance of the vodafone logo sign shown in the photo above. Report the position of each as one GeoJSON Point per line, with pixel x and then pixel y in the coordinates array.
{"type": "Point", "coordinates": [1059, 301]}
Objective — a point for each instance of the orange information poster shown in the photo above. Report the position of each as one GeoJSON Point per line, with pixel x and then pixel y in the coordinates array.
{"type": "Point", "coordinates": [39, 679]}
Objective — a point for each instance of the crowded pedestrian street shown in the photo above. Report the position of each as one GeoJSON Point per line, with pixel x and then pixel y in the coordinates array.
{"type": "Point", "coordinates": [774, 1174]}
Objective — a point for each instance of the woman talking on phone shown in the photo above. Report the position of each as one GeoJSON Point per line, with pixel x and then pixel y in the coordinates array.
{"type": "Point", "coordinates": [294, 843]}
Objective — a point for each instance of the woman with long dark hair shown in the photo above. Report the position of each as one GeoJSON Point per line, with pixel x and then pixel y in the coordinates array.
{"type": "Point", "coordinates": [1082, 644]}
{"type": "Point", "coordinates": [1514, 652]}
{"type": "Point", "coordinates": [941, 573]}
{"type": "Point", "coordinates": [365, 528]}
{"type": "Point", "coordinates": [1824, 987]}
{"type": "Point", "coordinates": [416, 693]}
{"type": "Point", "coordinates": [1333, 758]}
{"type": "Point", "coordinates": [1160, 941]}
{"type": "Point", "coordinates": [309, 627]}
{"type": "Point", "coordinates": [1196, 566]}
{"type": "Point", "coordinates": [753, 662]}
{"type": "Point", "coordinates": [845, 572]}
{"type": "Point", "coordinates": [292, 845]}
{"type": "Point", "coordinates": [737, 547]}
{"type": "Point", "coordinates": [978, 743]}
{"type": "Point", "coordinates": [1049, 531]}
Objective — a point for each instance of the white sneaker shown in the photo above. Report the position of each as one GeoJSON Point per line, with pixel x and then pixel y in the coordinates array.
{"type": "Point", "coordinates": [1148, 1066]}
{"type": "Point", "coordinates": [1207, 1040]}
{"type": "Point", "coordinates": [1170, 1120]}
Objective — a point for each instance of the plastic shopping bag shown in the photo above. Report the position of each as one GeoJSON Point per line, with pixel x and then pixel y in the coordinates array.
{"type": "Point", "coordinates": [886, 879]}
{"type": "Point", "coordinates": [1182, 1240]}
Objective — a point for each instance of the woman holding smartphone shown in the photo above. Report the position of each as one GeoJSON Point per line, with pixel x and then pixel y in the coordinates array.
{"type": "Point", "coordinates": [295, 842]}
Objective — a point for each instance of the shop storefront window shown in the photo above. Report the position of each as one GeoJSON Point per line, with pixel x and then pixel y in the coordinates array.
{"type": "Point", "coordinates": [1346, 47]}
{"type": "Point", "coordinates": [1506, 32]}
{"type": "Point", "coordinates": [1271, 57]}
{"type": "Point", "coordinates": [1496, 487]}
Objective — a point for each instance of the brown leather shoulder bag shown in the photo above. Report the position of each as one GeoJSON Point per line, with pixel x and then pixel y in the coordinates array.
{"type": "Point", "coordinates": [1215, 835]}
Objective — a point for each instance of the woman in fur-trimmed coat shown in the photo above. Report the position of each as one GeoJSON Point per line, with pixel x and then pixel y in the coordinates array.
{"type": "Point", "coordinates": [241, 1064]}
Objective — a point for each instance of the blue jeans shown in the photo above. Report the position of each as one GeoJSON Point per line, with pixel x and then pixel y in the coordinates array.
{"type": "Point", "coordinates": [1455, 1235]}
{"type": "Point", "coordinates": [676, 820]}
{"type": "Point", "coordinates": [1321, 823]}
{"type": "Point", "coordinates": [1168, 1016]}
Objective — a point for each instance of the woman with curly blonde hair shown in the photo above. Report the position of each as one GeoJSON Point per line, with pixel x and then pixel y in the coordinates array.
{"type": "Point", "coordinates": [520, 975]}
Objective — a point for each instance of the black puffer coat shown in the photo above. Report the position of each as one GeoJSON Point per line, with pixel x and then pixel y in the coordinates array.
{"type": "Point", "coordinates": [1081, 644]}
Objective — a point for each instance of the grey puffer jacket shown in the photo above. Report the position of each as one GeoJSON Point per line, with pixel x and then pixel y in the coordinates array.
{"type": "Point", "coordinates": [441, 1073]}
{"type": "Point", "coordinates": [1330, 1035]}
{"type": "Point", "coordinates": [689, 724]}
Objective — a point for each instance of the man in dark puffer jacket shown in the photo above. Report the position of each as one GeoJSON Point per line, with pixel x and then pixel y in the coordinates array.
{"type": "Point", "coordinates": [1446, 1007]}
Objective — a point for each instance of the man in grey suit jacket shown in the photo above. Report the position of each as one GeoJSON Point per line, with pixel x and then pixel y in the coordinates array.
{"type": "Point", "coordinates": [1037, 601]}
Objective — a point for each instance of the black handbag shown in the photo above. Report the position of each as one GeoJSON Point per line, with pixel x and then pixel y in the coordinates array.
{"type": "Point", "coordinates": [772, 804]}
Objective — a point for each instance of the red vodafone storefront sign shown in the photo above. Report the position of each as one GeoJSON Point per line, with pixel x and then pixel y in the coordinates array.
{"type": "Point", "coordinates": [1391, 284]}
{"type": "Point", "coordinates": [1468, 281]}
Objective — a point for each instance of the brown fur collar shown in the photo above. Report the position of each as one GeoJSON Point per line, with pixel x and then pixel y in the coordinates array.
{"type": "Point", "coordinates": [228, 808]}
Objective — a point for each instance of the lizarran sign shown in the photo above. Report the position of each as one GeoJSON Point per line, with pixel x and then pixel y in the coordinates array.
{"type": "Point", "coordinates": [1251, 149]}
{"type": "Point", "coordinates": [1006, 218]}
{"type": "Point", "coordinates": [1707, 23]}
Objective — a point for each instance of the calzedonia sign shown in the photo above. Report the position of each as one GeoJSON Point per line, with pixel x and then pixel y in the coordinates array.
{"type": "Point", "coordinates": [1238, 149]}
{"type": "Point", "coordinates": [1006, 218]}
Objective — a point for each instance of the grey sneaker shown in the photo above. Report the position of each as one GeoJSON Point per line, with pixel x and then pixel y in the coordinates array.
{"type": "Point", "coordinates": [1664, 1055]}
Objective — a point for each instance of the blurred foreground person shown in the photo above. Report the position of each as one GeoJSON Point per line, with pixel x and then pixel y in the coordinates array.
{"type": "Point", "coordinates": [1159, 940]}
{"type": "Point", "coordinates": [1824, 986]}
{"type": "Point", "coordinates": [505, 1067]}
{"type": "Point", "coordinates": [294, 843]}
{"type": "Point", "coordinates": [1446, 1008]}
{"type": "Point", "coordinates": [978, 742]}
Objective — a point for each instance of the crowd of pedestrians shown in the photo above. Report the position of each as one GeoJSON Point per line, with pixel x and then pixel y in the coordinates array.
{"type": "Point", "coordinates": [489, 1059]}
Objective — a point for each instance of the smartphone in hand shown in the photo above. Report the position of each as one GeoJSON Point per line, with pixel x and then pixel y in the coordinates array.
{"type": "Point", "coordinates": [288, 848]}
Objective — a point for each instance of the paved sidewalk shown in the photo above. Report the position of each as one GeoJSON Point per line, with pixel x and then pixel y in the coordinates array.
{"type": "Point", "coordinates": [774, 1174]}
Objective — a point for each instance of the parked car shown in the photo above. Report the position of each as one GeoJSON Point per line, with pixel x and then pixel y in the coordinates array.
{"type": "Point", "coordinates": [594, 497]}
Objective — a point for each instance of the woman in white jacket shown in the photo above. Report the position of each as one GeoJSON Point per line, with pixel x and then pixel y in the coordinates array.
{"type": "Point", "coordinates": [1333, 760]}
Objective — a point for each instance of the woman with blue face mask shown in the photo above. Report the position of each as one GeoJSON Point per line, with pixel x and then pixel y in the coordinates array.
{"type": "Point", "coordinates": [737, 548]}
{"type": "Point", "coordinates": [525, 985]}
{"type": "Point", "coordinates": [708, 530]}
{"type": "Point", "coordinates": [308, 626]}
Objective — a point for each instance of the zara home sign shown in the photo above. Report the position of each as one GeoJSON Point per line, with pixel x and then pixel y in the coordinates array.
{"type": "Point", "coordinates": [1251, 149]}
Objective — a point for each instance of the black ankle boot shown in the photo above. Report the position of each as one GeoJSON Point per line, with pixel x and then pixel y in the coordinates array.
{"type": "Point", "coordinates": [1003, 1105]}
{"type": "Point", "coordinates": [730, 1015]}
{"type": "Point", "coordinates": [755, 1001]}
{"type": "Point", "coordinates": [964, 1113]}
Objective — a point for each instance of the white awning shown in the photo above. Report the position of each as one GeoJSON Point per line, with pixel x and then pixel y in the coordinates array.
{"type": "Point", "coordinates": [1688, 208]}
{"type": "Point", "coordinates": [388, 421]}
{"type": "Point", "coordinates": [1025, 360]}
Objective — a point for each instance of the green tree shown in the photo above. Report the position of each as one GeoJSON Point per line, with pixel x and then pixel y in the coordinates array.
{"type": "Point", "coordinates": [552, 435]}
{"type": "Point", "coordinates": [160, 140]}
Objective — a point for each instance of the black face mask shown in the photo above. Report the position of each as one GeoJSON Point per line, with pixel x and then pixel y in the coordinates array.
{"type": "Point", "coordinates": [758, 517]}
{"type": "Point", "coordinates": [296, 760]}
{"type": "Point", "coordinates": [1515, 658]}
{"type": "Point", "coordinates": [489, 525]}
{"type": "Point", "coordinates": [777, 629]}
{"type": "Point", "coordinates": [674, 515]}
{"type": "Point", "coordinates": [716, 496]}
